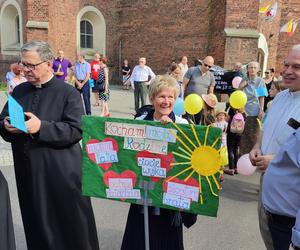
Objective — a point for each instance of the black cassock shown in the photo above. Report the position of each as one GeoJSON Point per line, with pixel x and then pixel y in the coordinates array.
{"type": "Point", "coordinates": [48, 169]}
{"type": "Point", "coordinates": [7, 239]}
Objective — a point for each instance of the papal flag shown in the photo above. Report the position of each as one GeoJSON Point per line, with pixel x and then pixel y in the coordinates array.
{"type": "Point", "coordinates": [290, 27]}
{"type": "Point", "coordinates": [263, 10]}
{"type": "Point", "coordinates": [271, 13]}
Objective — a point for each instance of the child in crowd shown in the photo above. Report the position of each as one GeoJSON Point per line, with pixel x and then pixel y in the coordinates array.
{"type": "Point", "coordinates": [208, 116]}
{"type": "Point", "coordinates": [235, 128]}
{"type": "Point", "coordinates": [222, 124]}
{"type": "Point", "coordinates": [275, 88]}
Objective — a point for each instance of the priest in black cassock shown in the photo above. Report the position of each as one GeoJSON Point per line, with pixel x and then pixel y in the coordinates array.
{"type": "Point", "coordinates": [48, 158]}
{"type": "Point", "coordinates": [7, 238]}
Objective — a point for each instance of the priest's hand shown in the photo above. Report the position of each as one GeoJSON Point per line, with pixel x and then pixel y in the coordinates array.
{"type": "Point", "coordinates": [9, 127]}
{"type": "Point", "coordinates": [33, 124]}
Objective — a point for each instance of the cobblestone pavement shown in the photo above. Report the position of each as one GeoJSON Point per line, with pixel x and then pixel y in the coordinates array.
{"type": "Point", "coordinates": [235, 228]}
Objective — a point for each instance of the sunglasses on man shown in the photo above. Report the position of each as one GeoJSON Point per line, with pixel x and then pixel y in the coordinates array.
{"type": "Point", "coordinates": [207, 66]}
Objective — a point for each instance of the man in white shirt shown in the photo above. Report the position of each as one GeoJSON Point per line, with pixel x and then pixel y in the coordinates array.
{"type": "Point", "coordinates": [183, 66]}
{"type": "Point", "coordinates": [141, 77]}
{"type": "Point", "coordinates": [276, 129]}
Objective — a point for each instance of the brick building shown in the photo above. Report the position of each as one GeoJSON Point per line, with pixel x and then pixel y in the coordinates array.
{"type": "Point", "coordinates": [162, 31]}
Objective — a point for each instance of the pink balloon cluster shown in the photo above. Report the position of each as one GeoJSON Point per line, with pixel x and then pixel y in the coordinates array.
{"type": "Point", "coordinates": [244, 165]}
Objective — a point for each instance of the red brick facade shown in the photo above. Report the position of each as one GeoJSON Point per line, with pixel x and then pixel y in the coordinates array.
{"type": "Point", "coordinates": [290, 9]}
{"type": "Point", "coordinates": [163, 31]}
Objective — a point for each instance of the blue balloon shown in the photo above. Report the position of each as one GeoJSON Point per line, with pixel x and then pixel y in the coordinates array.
{"type": "Point", "coordinates": [178, 108]}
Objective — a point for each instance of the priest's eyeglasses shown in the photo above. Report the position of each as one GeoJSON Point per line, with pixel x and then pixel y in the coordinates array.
{"type": "Point", "coordinates": [29, 65]}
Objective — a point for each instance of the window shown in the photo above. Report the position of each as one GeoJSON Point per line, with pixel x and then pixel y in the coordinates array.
{"type": "Point", "coordinates": [90, 31]}
{"type": "Point", "coordinates": [17, 29]}
{"type": "Point", "coordinates": [86, 34]}
{"type": "Point", "coordinates": [11, 28]}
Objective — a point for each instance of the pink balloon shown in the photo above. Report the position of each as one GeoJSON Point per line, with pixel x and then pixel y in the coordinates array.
{"type": "Point", "coordinates": [244, 165]}
{"type": "Point", "coordinates": [236, 82]}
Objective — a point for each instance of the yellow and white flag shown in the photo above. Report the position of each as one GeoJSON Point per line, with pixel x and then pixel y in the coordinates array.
{"type": "Point", "coordinates": [271, 13]}
{"type": "Point", "coordinates": [289, 27]}
{"type": "Point", "coordinates": [263, 10]}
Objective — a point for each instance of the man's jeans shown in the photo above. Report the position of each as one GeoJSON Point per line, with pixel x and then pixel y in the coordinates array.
{"type": "Point", "coordinates": [140, 90]}
{"type": "Point", "coordinates": [86, 98]}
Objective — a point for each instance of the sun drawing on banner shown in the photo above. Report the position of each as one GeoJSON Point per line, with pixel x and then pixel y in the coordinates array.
{"type": "Point", "coordinates": [203, 159]}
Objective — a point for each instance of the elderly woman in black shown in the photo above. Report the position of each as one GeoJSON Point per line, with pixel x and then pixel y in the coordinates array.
{"type": "Point", "coordinates": [165, 226]}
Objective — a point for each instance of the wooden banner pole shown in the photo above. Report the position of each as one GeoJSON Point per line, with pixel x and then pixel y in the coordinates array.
{"type": "Point", "coordinates": [146, 216]}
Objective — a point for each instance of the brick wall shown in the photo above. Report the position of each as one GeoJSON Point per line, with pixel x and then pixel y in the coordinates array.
{"type": "Point", "coordinates": [62, 25]}
{"type": "Point", "coordinates": [216, 35]}
{"type": "Point", "coordinates": [270, 29]}
{"type": "Point", "coordinates": [241, 15]}
{"type": "Point", "coordinates": [290, 9]}
{"type": "Point", "coordinates": [241, 50]}
{"type": "Point", "coordinates": [163, 31]}
{"type": "Point", "coordinates": [37, 10]}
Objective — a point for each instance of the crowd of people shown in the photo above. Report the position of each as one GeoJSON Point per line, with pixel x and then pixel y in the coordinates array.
{"type": "Point", "coordinates": [48, 159]}
{"type": "Point", "coordinates": [85, 76]}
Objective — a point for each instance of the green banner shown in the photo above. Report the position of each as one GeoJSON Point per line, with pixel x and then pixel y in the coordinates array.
{"type": "Point", "coordinates": [181, 162]}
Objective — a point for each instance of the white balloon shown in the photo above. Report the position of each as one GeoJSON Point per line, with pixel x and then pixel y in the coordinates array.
{"type": "Point", "coordinates": [244, 165]}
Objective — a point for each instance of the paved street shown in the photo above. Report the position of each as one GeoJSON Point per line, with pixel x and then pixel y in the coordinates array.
{"type": "Point", "coordinates": [236, 226]}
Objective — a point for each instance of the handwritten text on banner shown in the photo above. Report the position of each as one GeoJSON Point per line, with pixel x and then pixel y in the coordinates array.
{"type": "Point", "coordinates": [182, 190]}
{"type": "Point", "coordinates": [137, 144]}
{"type": "Point", "coordinates": [125, 130]}
{"type": "Point", "coordinates": [99, 147]}
{"type": "Point", "coordinates": [122, 183]}
{"type": "Point", "coordinates": [123, 193]}
{"type": "Point", "coordinates": [106, 157]}
{"type": "Point", "coordinates": [139, 131]}
{"type": "Point", "coordinates": [161, 134]}
{"type": "Point", "coordinates": [176, 201]}
{"type": "Point", "coordinates": [148, 162]}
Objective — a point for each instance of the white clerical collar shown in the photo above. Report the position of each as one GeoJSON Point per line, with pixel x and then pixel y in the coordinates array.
{"type": "Point", "coordinates": [40, 85]}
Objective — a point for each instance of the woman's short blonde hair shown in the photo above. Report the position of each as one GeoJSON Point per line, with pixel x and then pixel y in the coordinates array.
{"type": "Point", "coordinates": [160, 82]}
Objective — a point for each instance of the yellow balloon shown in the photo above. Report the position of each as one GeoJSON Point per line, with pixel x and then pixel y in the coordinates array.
{"type": "Point", "coordinates": [224, 156]}
{"type": "Point", "coordinates": [193, 104]}
{"type": "Point", "coordinates": [238, 99]}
